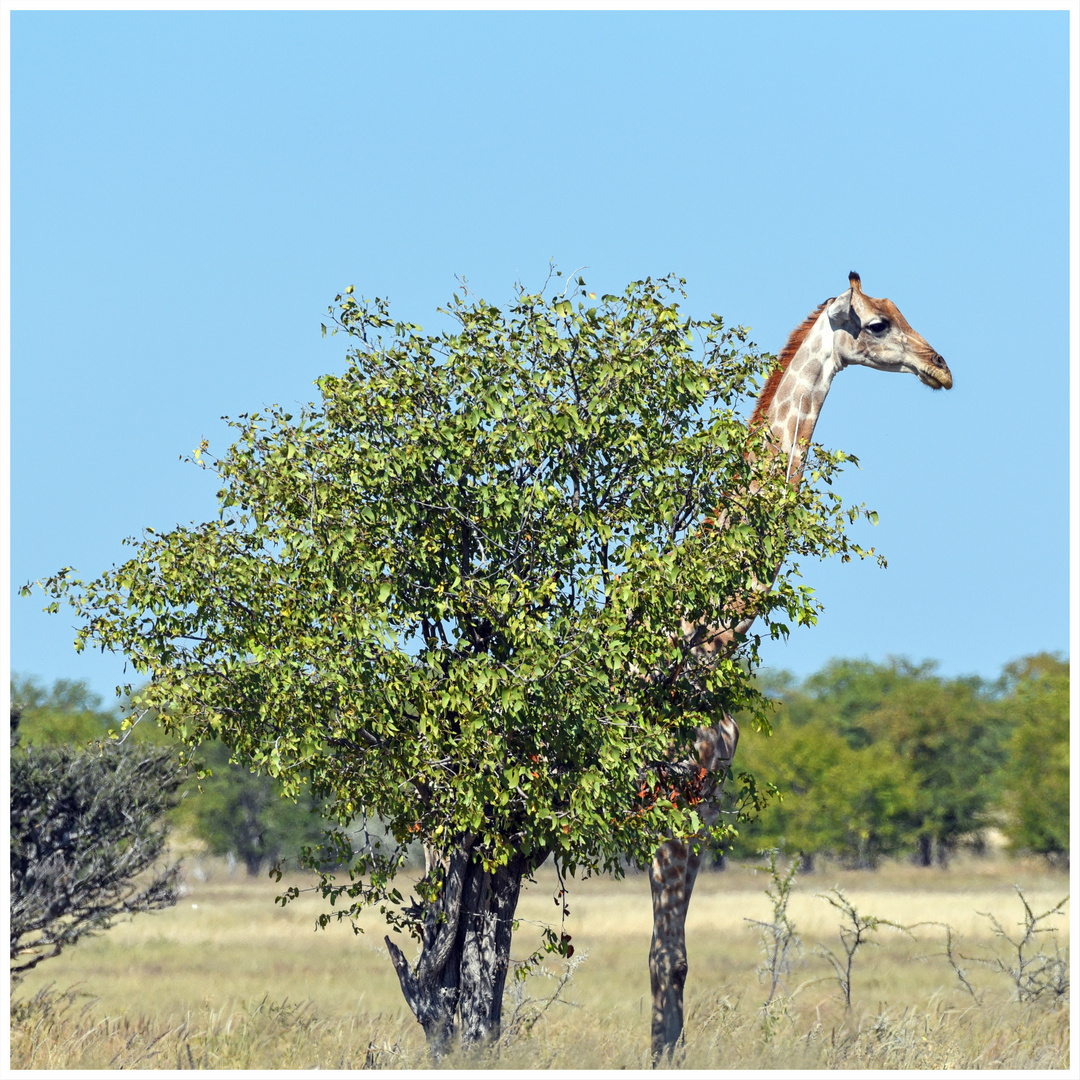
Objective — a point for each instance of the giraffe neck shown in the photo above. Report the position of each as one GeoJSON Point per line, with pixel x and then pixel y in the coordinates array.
{"type": "Point", "coordinates": [796, 402]}
{"type": "Point", "coordinates": [790, 405]}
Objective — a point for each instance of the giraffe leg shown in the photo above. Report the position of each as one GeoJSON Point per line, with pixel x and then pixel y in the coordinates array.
{"type": "Point", "coordinates": [671, 877]}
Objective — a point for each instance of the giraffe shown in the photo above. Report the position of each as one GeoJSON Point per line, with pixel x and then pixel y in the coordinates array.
{"type": "Point", "coordinates": [848, 329]}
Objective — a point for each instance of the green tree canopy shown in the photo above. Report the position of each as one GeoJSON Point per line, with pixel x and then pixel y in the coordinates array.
{"type": "Point", "coordinates": [242, 813]}
{"type": "Point", "coordinates": [952, 735]}
{"type": "Point", "coordinates": [1037, 775]}
{"type": "Point", "coordinates": [446, 595]}
{"type": "Point", "coordinates": [854, 804]}
{"type": "Point", "coordinates": [67, 712]}
{"type": "Point", "coordinates": [948, 733]}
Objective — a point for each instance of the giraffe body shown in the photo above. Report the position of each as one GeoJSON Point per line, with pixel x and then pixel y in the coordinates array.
{"type": "Point", "coordinates": [850, 329]}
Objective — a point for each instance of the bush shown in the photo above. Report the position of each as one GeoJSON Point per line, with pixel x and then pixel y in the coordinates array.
{"type": "Point", "coordinates": [86, 831]}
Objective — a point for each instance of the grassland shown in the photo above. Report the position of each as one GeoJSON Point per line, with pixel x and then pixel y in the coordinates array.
{"type": "Point", "coordinates": [229, 980]}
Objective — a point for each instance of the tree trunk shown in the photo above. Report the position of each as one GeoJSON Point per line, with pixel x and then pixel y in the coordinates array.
{"type": "Point", "coordinates": [924, 852]}
{"type": "Point", "coordinates": [465, 947]}
{"type": "Point", "coordinates": [944, 851]}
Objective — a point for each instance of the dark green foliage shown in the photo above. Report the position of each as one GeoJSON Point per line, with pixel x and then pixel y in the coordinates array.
{"type": "Point", "coordinates": [1037, 776]}
{"type": "Point", "coordinates": [241, 813]}
{"type": "Point", "coordinates": [952, 736]}
{"type": "Point", "coordinates": [949, 733]}
{"type": "Point", "coordinates": [852, 804]}
{"type": "Point", "coordinates": [86, 833]}
{"type": "Point", "coordinates": [877, 759]}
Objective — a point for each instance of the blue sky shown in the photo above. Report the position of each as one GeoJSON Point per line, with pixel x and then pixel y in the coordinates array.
{"type": "Point", "coordinates": [190, 190]}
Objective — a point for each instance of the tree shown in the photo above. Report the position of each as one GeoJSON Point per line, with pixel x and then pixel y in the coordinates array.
{"type": "Point", "coordinates": [854, 804]}
{"type": "Point", "coordinates": [445, 594]}
{"type": "Point", "coordinates": [244, 814]}
{"type": "Point", "coordinates": [952, 736]}
{"type": "Point", "coordinates": [1037, 773]}
{"type": "Point", "coordinates": [86, 832]}
{"type": "Point", "coordinates": [68, 712]}
{"type": "Point", "coordinates": [949, 733]}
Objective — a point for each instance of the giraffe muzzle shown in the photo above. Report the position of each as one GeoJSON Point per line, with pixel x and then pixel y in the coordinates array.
{"type": "Point", "coordinates": [940, 378]}
{"type": "Point", "coordinates": [946, 382]}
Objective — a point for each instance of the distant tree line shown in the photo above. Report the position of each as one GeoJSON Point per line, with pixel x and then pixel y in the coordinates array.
{"type": "Point", "coordinates": [870, 761]}
{"type": "Point", "coordinates": [874, 760]}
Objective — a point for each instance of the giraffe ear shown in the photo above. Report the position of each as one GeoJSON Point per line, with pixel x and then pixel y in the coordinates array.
{"type": "Point", "coordinates": [840, 309]}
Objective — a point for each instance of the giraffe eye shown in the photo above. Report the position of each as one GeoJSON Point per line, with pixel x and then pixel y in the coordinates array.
{"type": "Point", "coordinates": [878, 326]}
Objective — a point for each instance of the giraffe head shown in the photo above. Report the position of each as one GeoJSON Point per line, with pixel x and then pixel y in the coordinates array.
{"type": "Point", "coordinates": [874, 334]}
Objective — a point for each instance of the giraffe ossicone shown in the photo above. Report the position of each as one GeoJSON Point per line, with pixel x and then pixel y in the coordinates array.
{"type": "Point", "coordinates": [851, 329]}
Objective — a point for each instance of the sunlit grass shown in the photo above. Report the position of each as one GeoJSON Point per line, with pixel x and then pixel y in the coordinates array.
{"type": "Point", "coordinates": [228, 979]}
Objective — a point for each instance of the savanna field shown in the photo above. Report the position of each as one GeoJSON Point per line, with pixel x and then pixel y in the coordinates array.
{"type": "Point", "coordinates": [227, 979]}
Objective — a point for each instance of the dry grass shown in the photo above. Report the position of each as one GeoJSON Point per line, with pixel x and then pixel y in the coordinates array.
{"type": "Point", "coordinates": [229, 980]}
